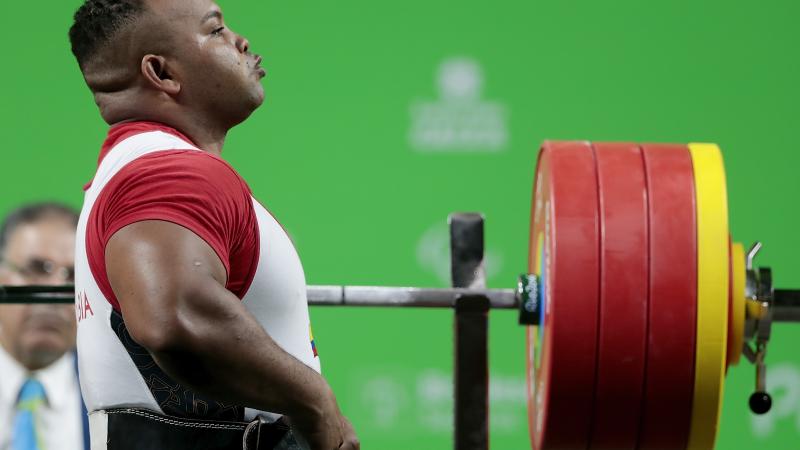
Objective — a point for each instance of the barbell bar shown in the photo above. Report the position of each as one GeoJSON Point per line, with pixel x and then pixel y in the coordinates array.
{"type": "Point", "coordinates": [785, 305]}
{"type": "Point", "coordinates": [373, 296]}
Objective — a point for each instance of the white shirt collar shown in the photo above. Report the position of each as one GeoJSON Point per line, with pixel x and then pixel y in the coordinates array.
{"type": "Point", "coordinates": [52, 378]}
{"type": "Point", "coordinates": [13, 377]}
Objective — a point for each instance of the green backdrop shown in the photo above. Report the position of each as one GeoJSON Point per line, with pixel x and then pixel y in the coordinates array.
{"type": "Point", "coordinates": [383, 117]}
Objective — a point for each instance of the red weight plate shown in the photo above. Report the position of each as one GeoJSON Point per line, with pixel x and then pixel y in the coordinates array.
{"type": "Point", "coordinates": [669, 372]}
{"type": "Point", "coordinates": [564, 247]}
{"type": "Point", "coordinates": [622, 338]}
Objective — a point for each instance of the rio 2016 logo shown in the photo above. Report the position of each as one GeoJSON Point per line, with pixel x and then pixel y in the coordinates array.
{"type": "Point", "coordinates": [459, 120]}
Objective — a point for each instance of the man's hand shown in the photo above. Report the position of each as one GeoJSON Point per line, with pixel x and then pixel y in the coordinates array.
{"type": "Point", "coordinates": [350, 440]}
{"type": "Point", "coordinates": [329, 430]}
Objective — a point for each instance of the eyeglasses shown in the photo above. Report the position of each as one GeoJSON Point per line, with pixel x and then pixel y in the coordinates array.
{"type": "Point", "coordinates": [42, 270]}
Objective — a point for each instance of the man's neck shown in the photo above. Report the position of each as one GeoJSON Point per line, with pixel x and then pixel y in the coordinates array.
{"type": "Point", "coordinates": [123, 107]}
{"type": "Point", "coordinates": [206, 137]}
{"type": "Point", "coordinates": [9, 350]}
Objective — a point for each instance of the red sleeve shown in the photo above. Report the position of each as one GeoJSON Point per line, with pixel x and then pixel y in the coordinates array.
{"type": "Point", "coordinates": [190, 188]}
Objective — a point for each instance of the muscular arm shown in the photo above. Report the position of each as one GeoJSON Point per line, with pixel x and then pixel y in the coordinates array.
{"type": "Point", "coordinates": [171, 287]}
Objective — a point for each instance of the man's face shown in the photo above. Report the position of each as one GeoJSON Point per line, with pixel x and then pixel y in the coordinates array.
{"type": "Point", "coordinates": [38, 253]}
{"type": "Point", "coordinates": [216, 70]}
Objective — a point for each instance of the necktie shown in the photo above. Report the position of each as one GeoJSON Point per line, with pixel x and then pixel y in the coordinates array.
{"type": "Point", "coordinates": [29, 404]}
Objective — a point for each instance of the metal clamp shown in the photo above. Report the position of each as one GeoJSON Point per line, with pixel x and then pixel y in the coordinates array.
{"type": "Point", "coordinates": [759, 309]}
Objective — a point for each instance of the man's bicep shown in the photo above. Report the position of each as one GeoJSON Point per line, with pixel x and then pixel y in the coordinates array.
{"type": "Point", "coordinates": [153, 266]}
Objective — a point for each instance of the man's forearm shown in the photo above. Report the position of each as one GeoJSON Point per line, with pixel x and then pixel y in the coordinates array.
{"type": "Point", "coordinates": [230, 357]}
{"type": "Point", "coordinates": [170, 285]}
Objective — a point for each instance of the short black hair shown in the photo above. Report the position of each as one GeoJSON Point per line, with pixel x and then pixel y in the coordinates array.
{"type": "Point", "coordinates": [97, 21]}
{"type": "Point", "coordinates": [33, 213]}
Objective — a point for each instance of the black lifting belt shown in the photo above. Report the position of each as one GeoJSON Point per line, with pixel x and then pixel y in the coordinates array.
{"type": "Point", "coordinates": [139, 429]}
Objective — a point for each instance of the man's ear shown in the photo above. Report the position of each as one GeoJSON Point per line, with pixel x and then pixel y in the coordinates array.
{"type": "Point", "coordinates": [157, 73]}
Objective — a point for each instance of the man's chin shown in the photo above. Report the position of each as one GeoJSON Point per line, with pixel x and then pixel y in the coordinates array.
{"type": "Point", "coordinates": [259, 96]}
{"type": "Point", "coordinates": [258, 92]}
{"type": "Point", "coordinates": [255, 100]}
{"type": "Point", "coordinates": [42, 349]}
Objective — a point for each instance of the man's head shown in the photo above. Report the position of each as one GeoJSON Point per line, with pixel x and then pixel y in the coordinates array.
{"type": "Point", "coordinates": [37, 247]}
{"type": "Point", "coordinates": [164, 60]}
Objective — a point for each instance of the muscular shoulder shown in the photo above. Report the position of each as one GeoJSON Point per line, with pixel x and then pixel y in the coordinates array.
{"type": "Point", "coordinates": [190, 188]}
{"type": "Point", "coordinates": [176, 167]}
{"type": "Point", "coordinates": [177, 179]}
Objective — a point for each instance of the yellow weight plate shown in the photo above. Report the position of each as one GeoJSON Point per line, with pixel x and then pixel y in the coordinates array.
{"type": "Point", "coordinates": [713, 247]}
{"type": "Point", "coordinates": [737, 303]}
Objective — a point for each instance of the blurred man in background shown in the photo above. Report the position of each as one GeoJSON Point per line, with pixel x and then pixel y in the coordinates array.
{"type": "Point", "coordinates": [40, 404]}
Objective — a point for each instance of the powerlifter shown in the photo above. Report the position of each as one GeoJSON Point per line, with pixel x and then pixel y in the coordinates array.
{"type": "Point", "coordinates": [193, 327]}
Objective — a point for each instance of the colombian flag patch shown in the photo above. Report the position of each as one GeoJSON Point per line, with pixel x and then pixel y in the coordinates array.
{"type": "Point", "coordinates": [313, 344]}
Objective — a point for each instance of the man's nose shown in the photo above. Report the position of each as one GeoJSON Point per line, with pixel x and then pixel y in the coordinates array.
{"type": "Point", "coordinates": [56, 278]}
{"type": "Point", "coordinates": [242, 44]}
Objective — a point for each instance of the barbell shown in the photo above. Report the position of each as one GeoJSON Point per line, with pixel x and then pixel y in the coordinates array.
{"type": "Point", "coordinates": [635, 302]}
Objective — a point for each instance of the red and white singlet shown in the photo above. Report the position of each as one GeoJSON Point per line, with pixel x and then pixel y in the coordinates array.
{"type": "Point", "coordinates": [149, 171]}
